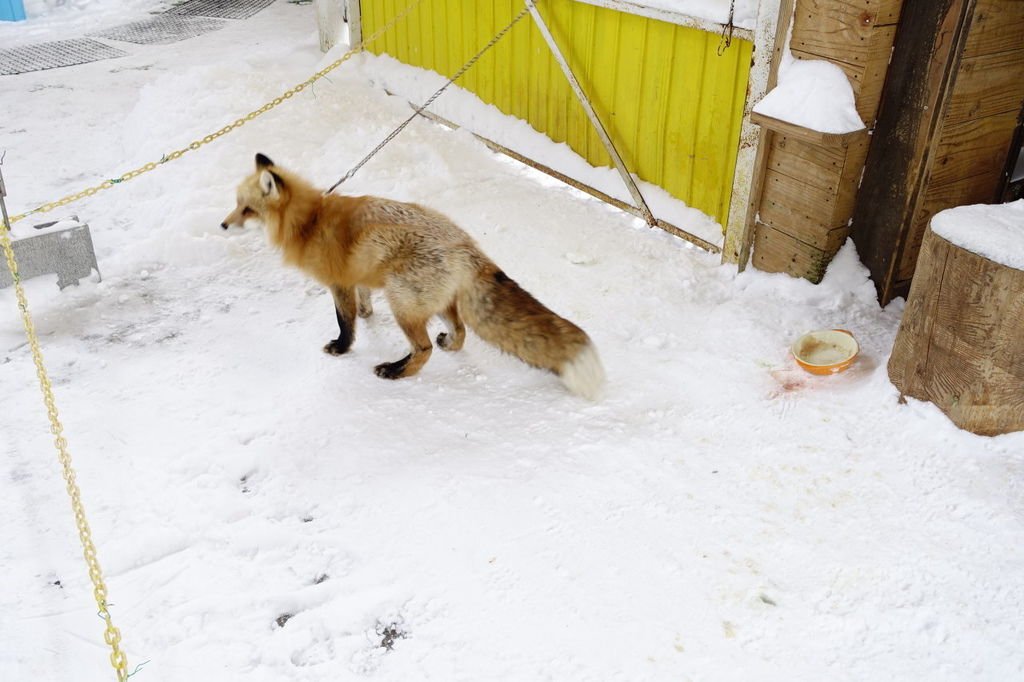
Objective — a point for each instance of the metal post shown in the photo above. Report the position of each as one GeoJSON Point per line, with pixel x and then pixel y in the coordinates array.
{"type": "Point", "coordinates": [620, 166]}
{"type": "Point", "coordinates": [3, 193]}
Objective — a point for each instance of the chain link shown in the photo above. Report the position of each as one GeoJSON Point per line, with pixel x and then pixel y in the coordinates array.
{"type": "Point", "coordinates": [193, 146]}
{"type": "Point", "coordinates": [111, 635]}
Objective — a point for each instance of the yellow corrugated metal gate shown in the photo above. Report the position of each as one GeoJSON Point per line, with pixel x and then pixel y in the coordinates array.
{"type": "Point", "coordinates": [671, 104]}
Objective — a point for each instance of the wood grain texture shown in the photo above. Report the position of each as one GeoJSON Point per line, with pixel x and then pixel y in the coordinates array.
{"type": "Point", "coordinates": [998, 26]}
{"type": "Point", "coordinates": [925, 59]}
{"type": "Point", "coordinates": [987, 85]}
{"type": "Point", "coordinates": [840, 31]}
{"type": "Point", "coordinates": [973, 148]}
{"type": "Point", "coordinates": [815, 165]}
{"type": "Point", "coordinates": [807, 134]}
{"type": "Point", "coordinates": [811, 179]}
{"type": "Point", "coordinates": [809, 191]}
{"type": "Point", "coordinates": [978, 189]}
{"type": "Point", "coordinates": [849, 181]}
{"type": "Point", "coordinates": [799, 209]}
{"type": "Point", "coordinates": [961, 341]}
{"type": "Point", "coordinates": [777, 251]}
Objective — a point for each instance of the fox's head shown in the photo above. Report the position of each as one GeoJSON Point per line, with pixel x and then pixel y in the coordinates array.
{"type": "Point", "coordinates": [259, 195]}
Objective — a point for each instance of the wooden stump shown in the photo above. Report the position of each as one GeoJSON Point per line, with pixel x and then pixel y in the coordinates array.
{"type": "Point", "coordinates": [961, 342]}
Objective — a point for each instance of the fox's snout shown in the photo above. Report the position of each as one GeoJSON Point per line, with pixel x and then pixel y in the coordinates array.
{"type": "Point", "coordinates": [236, 218]}
{"type": "Point", "coordinates": [257, 193]}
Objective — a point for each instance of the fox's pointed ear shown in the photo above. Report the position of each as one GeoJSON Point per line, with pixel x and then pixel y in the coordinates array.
{"type": "Point", "coordinates": [263, 161]}
{"type": "Point", "coordinates": [269, 183]}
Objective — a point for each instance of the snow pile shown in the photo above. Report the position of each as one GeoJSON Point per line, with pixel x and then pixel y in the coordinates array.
{"type": "Point", "coordinates": [995, 232]}
{"type": "Point", "coordinates": [814, 94]}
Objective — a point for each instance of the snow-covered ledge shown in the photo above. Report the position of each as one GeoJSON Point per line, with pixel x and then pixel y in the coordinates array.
{"type": "Point", "coordinates": [804, 133]}
{"type": "Point", "coordinates": [813, 100]}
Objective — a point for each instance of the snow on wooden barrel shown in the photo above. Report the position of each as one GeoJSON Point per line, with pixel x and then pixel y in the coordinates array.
{"type": "Point", "coordinates": [961, 342]}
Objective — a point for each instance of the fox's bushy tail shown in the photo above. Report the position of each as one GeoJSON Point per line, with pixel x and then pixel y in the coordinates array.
{"type": "Point", "coordinates": [505, 315]}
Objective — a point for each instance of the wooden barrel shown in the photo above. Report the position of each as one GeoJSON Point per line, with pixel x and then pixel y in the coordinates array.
{"type": "Point", "coordinates": [960, 344]}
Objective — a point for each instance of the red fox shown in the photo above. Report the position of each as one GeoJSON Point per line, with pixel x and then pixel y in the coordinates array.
{"type": "Point", "coordinates": [426, 266]}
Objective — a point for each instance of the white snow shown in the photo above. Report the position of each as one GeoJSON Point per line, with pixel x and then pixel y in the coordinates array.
{"type": "Point", "coordinates": [995, 232]}
{"type": "Point", "coordinates": [814, 94]}
{"type": "Point", "coordinates": [717, 515]}
{"type": "Point", "coordinates": [744, 11]}
{"type": "Point", "coordinates": [29, 228]}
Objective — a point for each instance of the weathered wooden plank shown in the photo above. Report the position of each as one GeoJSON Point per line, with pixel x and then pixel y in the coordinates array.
{"type": "Point", "coordinates": [869, 95]}
{"type": "Point", "coordinates": [988, 85]}
{"type": "Point", "coordinates": [849, 181]}
{"type": "Point", "coordinates": [808, 216]}
{"type": "Point", "coordinates": [867, 13]}
{"type": "Point", "coordinates": [840, 32]}
{"type": "Point", "coordinates": [776, 251]}
{"type": "Point", "coordinates": [807, 134]}
{"type": "Point", "coordinates": [980, 189]}
{"type": "Point", "coordinates": [907, 361]}
{"type": "Point", "coordinates": [809, 208]}
{"type": "Point", "coordinates": [814, 165]}
{"type": "Point", "coordinates": [809, 193]}
{"type": "Point", "coordinates": [787, 202]}
{"type": "Point", "coordinates": [924, 61]}
{"type": "Point", "coordinates": [998, 25]}
{"type": "Point", "coordinates": [828, 241]}
{"type": "Point", "coordinates": [973, 148]}
{"type": "Point", "coordinates": [961, 340]}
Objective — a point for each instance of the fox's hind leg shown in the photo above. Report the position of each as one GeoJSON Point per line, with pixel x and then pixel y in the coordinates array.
{"type": "Point", "coordinates": [456, 335]}
{"type": "Point", "coordinates": [345, 312]}
{"type": "Point", "coordinates": [415, 329]}
{"type": "Point", "coordinates": [365, 306]}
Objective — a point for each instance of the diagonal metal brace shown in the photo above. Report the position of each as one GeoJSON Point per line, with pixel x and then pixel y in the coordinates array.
{"type": "Point", "coordinates": [620, 166]}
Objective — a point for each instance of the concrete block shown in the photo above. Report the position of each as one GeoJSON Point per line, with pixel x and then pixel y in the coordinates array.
{"type": "Point", "coordinates": [63, 248]}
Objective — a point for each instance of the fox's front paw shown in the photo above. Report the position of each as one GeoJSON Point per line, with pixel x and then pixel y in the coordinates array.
{"type": "Point", "coordinates": [392, 370]}
{"type": "Point", "coordinates": [336, 347]}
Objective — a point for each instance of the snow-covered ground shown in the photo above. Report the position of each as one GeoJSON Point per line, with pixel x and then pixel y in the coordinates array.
{"type": "Point", "coordinates": [718, 516]}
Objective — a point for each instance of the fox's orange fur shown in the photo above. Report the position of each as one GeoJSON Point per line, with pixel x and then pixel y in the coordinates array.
{"type": "Point", "coordinates": [426, 266]}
